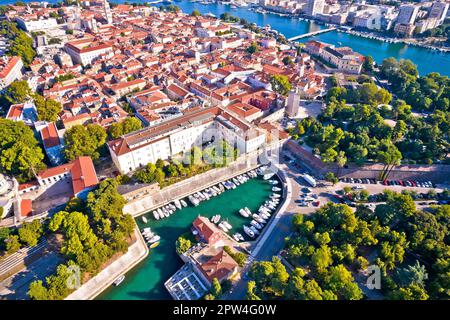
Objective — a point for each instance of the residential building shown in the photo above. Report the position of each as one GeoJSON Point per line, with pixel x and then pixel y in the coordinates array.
{"type": "Point", "coordinates": [35, 24]}
{"type": "Point", "coordinates": [439, 10]}
{"type": "Point", "coordinates": [10, 70]}
{"type": "Point", "coordinates": [52, 142]}
{"type": "Point", "coordinates": [178, 135]}
{"type": "Point", "coordinates": [25, 112]}
{"type": "Point", "coordinates": [407, 14]}
{"type": "Point", "coordinates": [314, 7]}
{"type": "Point", "coordinates": [84, 51]}
{"type": "Point", "coordinates": [80, 173]}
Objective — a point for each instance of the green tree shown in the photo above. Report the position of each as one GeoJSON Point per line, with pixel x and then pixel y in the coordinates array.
{"type": "Point", "coordinates": [280, 84]}
{"type": "Point", "coordinates": [20, 154]}
{"type": "Point", "coordinates": [84, 141]}
{"type": "Point", "coordinates": [18, 92]}
{"type": "Point", "coordinates": [29, 233]}
{"type": "Point", "coordinates": [412, 292]}
{"type": "Point", "coordinates": [253, 48]}
{"type": "Point", "coordinates": [216, 288]}
{"type": "Point", "coordinates": [12, 243]}
{"type": "Point", "coordinates": [321, 258]}
{"type": "Point", "coordinates": [413, 274]}
{"type": "Point", "coordinates": [126, 126]}
{"type": "Point", "coordinates": [196, 13]}
{"type": "Point", "coordinates": [182, 245]}
{"type": "Point", "coordinates": [48, 109]}
{"type": "Point", "coordinates": [368, 64]}
{"type": "Point", "coordinates": [251, 295]}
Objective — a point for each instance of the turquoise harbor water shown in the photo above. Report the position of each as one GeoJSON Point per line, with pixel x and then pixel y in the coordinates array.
{"type": "Point", "coordinates": [146, 281]}
{"type": "Point", "coordinates": [427, 60]}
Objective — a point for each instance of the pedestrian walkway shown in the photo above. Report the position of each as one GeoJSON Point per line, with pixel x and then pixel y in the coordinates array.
{"type": "Point", "coordinates": [19, 258]}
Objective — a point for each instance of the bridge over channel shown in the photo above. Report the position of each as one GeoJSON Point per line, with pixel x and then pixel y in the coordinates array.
{"type": "Point", "coordinates": [310, 34]}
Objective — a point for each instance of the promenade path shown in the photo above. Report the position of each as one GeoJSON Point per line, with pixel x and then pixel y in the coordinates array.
{"type": "Point", "coordinates": [92, 288]}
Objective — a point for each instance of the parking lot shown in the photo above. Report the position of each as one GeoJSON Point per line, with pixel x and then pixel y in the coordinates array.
{"type": "Point", "coordinates": [307, 199]}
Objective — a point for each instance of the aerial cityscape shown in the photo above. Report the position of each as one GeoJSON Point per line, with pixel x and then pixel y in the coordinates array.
{"type": "Point", "coordinates": [225, 150]}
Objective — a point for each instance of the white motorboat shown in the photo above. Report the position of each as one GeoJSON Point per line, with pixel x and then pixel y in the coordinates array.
{"type": "Point", "coordinates": [166, 213]}
{"type": "Point", "coordinates": [177, 204]}
{"type": "Point", "coordinates": [248, 211]}
{"type": "Point", "coordinates": [146, 230]}
{"type": "Point", "coordinates": [255, 231]}
{"type": "Point", "coordinates": [144, 219]}
{"type": "Point", "coordinates": [154, 239]}
{"type": "Point", "coordinates": [273, 182]}
{"type": "Point", "coordinates": [119, 280]}
{"type": "Point", "coordinates": [264, 216]}
{"type": "Point", "coordinates": [160, 212]}
{"type": "Point", "coordinates": [172, 207]}
{"type": "Point", "coordinates": [240, 236]}
{"type": "Point", "coordinates": [256, 224]}
{"type": "Point", "coordinates": [249, 232]}
{"type": "Point", "coordinates": [155, 215]}
{"type": "Point", "coordinates": [276, 195]}
{"type": "Point", "coordinates": [183, 203]}
{"type": "Point", "coordinates": [227, 224]}
{"type": "Point", "coordinates": [243, 213]}
{"type": "Point", "coordinates": [216, 218]}
{"type": "Point", "coordinates": [276, 189]}
{"type": "Point", "coordinates": [236, 238]}
{"type": "Point", "coordinates": [223, 227]}
{"type": "Point", "coordinates": [193, 200]}
{"type": "Point", "coordinates": [269, 175]}
{"type": "Point", "coordinates": [258, 219]}
{"type": "Point", "coordinates": [235, 181]}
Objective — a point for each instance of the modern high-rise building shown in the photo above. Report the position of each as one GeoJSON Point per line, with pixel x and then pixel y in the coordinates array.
{"type": "Point", "coordinates": [407, 14]}
{"type": "Point", "coordinates": [439, 10]}
{"type": "Point", "coordinates": [314, 7]}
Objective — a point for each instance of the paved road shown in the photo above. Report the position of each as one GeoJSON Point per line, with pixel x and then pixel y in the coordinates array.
{"type": "Point", "coordinates": [276, 239]}
{"type": "Point", "coordinates": [16, 286]}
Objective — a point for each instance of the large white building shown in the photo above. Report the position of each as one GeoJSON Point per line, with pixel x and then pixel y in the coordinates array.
{"type": "Point", "coordinates": [84, 51]}
{"type": "Point", "coordinates": [176, 136]}
{"type": "Point", "coordinates": [38, 24]}
{"type": "Point", "coordinates": [439, 10]}
{"type": "Point", "coordinates": [407, 14]}
{"type": "Point", "coordinates": [10, 70]}
{"type": "Point", "coordinates": [314, 7]}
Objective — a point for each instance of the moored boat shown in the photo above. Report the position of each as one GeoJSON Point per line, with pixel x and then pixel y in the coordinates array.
{"type": "Point", "coordinates": [243, 213]}
{"type": "Point", "coordinates": [249, 232]}
{"type": "Point", "coordinates": [119, 280]}
{"type": "Point", "coordinates": [255, 231]}
{"type": "Point", "coordinates": [144, 219]}
{"type": "Point", "coordinates": [177, 204]}
{"type": "Point", "coordinates": [256, 224]}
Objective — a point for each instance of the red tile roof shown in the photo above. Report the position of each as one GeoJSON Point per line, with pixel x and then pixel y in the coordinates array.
{"type": "Point", "coordinates": [208, 231]}
{"type": "Point", "coordinates": [81, 170]}
{"type": "Point", "coordinates": [50, 136]}
{"type": "Point", "coordinates": [219, 266]}
{"type": "Point", "coordinates": [5, 68]}
{"type": "Point", "coordinates": [26, 209]}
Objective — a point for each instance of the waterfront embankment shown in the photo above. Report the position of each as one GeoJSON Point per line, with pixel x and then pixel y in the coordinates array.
{"type": "Point", "coordinates": [96, 285]}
